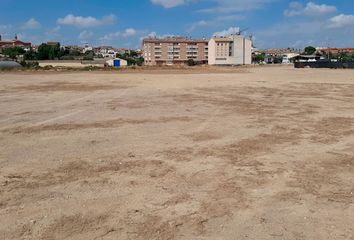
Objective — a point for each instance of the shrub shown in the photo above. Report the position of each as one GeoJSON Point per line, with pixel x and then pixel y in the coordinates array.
{"type": "Point", "coordinates": [191, 62]}
{"type": "Point", "coordinates": [90, 68]}
{"type": "Point", "coordinates": [48, 67]}
{"type": "Point", "coordinates": [29, 64]}
{"type": "Point", "coordinates": [87, 58]}
{"type": "Point", "coordinates": [67, 57]}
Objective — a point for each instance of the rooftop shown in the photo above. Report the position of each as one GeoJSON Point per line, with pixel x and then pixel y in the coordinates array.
{"type": "Point", "coordinates": [222, 39]}
{"type": "Point", "coordinates": [175, 40]}
{"type": "Point", "coordinates": [338, 49]}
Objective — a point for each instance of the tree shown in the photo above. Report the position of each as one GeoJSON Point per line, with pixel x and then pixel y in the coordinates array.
{"type": "Point", "coordinates": [329, 55]}
{"type": "Point", "coordinates": [30, 55]}
{"type": "Point", "coordinates": [191, 62]}
{"type": "Point", "coordinates": [259, 58]}
{"type": "Point", "coordinates": [13, 52]}
{"type": "Point", "coordinates": [140, 61]}
{"type": "Point", "coordinates": [344, 57]}
{"type": "Point", "coordinates": [309, 50]}
{"type": "Point", "coordinates": [133, 54]}
{"type": "Point", "coordinates": [88, 56]}
{"type": "Point", "coordinates": [73, 53]}
{"type": "Point", "coordinates": [49, 52]}
{"type": "Point", "coordinates": [43, 52]}
{"type": "Point", "coordinates": [132, 58]}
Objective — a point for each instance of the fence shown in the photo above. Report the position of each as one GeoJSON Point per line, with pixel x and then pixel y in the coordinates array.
{"type": "Point", "coordinates": [326, 64]}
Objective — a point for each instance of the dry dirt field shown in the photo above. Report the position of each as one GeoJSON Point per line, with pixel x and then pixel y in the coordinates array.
{"type": "Point", "coordinates": [257, 153]}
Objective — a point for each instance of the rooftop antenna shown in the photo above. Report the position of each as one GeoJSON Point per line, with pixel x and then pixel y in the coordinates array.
{"type": "Point", "coordinates": [251, 38]}
{"type": "Point", "coordinates": [328, 49]}
{"type": "Point", "coordinates": [242, 31]}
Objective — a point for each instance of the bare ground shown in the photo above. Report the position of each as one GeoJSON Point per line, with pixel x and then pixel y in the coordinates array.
{"type": "Point", "coordinates": [257, 153]}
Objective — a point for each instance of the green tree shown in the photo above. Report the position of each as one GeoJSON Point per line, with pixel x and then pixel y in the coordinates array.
{"type": "Point", "coordinates": [140, 61]}
{"type": "Point", "coordinates": [75, 53]}
{"type": "Point", "coordinates": [191, 62]}
{"type": "Point", "coordinates": [49, 52]}
{"type": "Point", "coordinates": [132, 58]}
{"type": "Point", "coordinates": [30, 55]}
{"type": "Point", "coordinates": [309, 50]}
{"type": "Point", "coordinates": [131, 61]}
{"type": "Point", "coordinates": [43, 52]}
{"type": "Point", "coordinates": [13, 52]}
{"type": "Point", "coordinates": [344, 57]}
{"type": "Point", "coordinates": [88, 56]}
{"type": "Point", "coordinates": [133, 54]}
{"type": "Point", "coordinates": [259, 58]}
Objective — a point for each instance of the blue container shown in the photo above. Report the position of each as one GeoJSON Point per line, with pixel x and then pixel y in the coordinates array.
{"type": "Point", "coordinates": [116, 63]}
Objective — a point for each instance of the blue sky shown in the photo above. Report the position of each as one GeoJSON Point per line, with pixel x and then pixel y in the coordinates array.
{"type": "Point", "coordinates": [123, 23]}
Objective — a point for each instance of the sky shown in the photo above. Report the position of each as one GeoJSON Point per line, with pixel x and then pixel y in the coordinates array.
{"type": "Point", "coordinates": [123, 23]}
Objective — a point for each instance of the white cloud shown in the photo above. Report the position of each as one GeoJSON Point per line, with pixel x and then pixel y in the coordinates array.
{"type": "Point", "coordinates": [169, 3]}
{"type": "Point", "coordinates": [229, 6]}
{"type": "Point", "coordinates": [86, 22]}
{"type": "Point", "coordinates": [4, 28]}
{"type": "Point", "coordinates": [127, 33]}
{"type": "Point", "coordinates": [341, 21]}
{"type": "Point", "coordinates": [86, 35]}
{"type": "Point", "coordinates": [31, 24]}
{"type": "Point", "coordinates": [223, 6]}
{"type": "Point", "coordinates": [194, 26]}
{"type": "Point", "coordinates": [53, 33]}
{"type": "Point", "coordinates": [155, 35]}
{"type": "Point", "coordinates": [151, 35]}
{"type": "Point", "coordinates": [54, 30]}
{"type": "Point", "coordinates": [235, 17]}
{"type": "Point", "coordinates": [109, 37]}
{"type": "Point", "coordinates": [311, 9]}
{"type": "Point", "coordinates": [303, 32]}
{"type": "Point", "coordinates": [227, 32]}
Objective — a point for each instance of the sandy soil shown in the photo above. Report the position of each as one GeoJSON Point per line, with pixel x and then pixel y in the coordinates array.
{"type": "Point", "coordinates": [262, 153]}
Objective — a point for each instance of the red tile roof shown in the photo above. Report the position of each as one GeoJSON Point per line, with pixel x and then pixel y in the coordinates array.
{"type": "Point", "coordinates": [14, 43]}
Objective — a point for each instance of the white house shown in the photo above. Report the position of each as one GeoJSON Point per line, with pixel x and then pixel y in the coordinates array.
{"type": "Point", "coordinates": [117, 62]}
{"type": "Point", "coordinates": [289, 57]}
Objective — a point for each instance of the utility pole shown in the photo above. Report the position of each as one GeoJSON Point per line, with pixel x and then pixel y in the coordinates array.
{"type": "Point", "coordinates": [328, 49]}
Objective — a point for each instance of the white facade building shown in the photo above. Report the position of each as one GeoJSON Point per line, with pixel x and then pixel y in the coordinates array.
{"type": "Point", "coordinates": [288, 58]}
{"type": "Point", "coordinates": [108, 53]}
{"type": "Point", "coordinates": [117, 62]}
{"type": "Point", "coordinates": [233, 50]}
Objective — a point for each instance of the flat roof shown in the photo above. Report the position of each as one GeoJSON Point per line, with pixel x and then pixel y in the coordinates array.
{"type": "Point", "coordinates": [174, 40]}
{"type": "Point", "coordinates": [222, 39]}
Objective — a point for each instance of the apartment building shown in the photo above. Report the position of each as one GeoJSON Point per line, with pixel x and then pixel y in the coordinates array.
{"type": "Point", "coordinates": [174, 50]}
{"type": "Point", "coordinates": [233, 50]}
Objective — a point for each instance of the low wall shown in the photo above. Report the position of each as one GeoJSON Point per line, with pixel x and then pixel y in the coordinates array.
{"type": "Point", "coordinates": [71, 64]}
{"type": "Point", "coordinates": [324, 65]}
